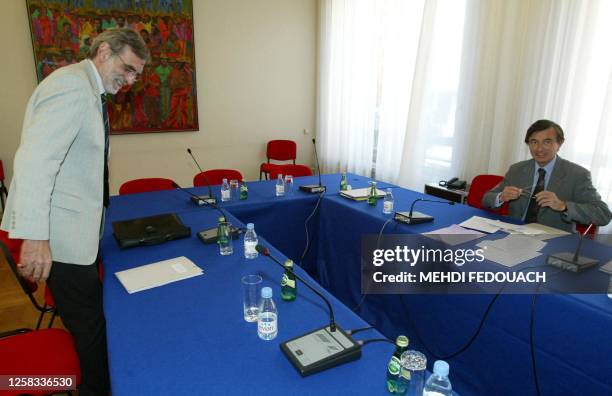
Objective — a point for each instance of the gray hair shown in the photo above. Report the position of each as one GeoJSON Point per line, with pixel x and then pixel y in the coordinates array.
{"type": "Point", "coordinates": [117, 39]}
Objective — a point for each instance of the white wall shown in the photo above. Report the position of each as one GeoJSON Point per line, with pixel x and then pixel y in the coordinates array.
{"type": "Point", "coordinates": [255, 73]}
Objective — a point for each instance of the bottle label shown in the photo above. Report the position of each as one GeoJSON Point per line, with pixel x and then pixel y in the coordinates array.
{"type": "Point", "coordinates": [225, 195]}
{"type": "Point", "coordinates": [249, 247]}
{"type": "Point", "coordinates": [266, 323]}
{"type": "Point", "coordinates": [394, 366]}
{"type": "Point", "coordinates": [388, 206]}
{"type": "Point", "coordinates": [280, 190]}
{"type": "Point", "coordinates": [285, 281]}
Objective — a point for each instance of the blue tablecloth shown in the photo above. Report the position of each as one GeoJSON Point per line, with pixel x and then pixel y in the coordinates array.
{"type": "Point", "coordinates": [199, 331]}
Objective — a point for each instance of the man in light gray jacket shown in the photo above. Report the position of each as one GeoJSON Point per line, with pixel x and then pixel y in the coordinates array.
{"type": "Point", "coordinates": [60, 188]}
{"type": "Point", "coordinates": [548, 189]}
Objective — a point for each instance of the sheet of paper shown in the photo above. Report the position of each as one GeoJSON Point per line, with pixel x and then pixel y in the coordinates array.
{"type": "Point", "coordinates": [158, 274]}
{"type": "Point", "coordinates": [454, 235]}
{"type": "Point", "coordinates": [506, 258]}
{"type": "Point", "coordinates": [480, 224]}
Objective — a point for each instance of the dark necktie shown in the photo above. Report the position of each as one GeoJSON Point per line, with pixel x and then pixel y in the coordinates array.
{"type": "Point", "coordinates": [532, 210]}
{"type": "Point", "coordinates": [106, 133]}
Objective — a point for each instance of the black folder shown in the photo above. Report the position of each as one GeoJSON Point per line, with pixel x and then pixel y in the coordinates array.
{"type": "Point", "coordinates": [150, 230]}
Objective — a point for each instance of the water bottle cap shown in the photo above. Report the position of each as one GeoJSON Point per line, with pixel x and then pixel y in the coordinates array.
{"type": "Point", "coordinates": [266, 292]}
{"type": "Point", "coordinates": [250, 226]}
{"type": "Point", "coordinates": [224, 180]}
{"type": "Point", "coordinates": [389, 191]}
{"type": "Point", "coordinates": [441, 368]}
{"type": "Point", "coordinates": [289, 263]}
{"type": "Point", "coordinates": [221, 219]}
{"type": "Point", "coordinates": [280, 176]}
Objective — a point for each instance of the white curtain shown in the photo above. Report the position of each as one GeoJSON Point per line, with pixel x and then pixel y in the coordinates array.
{"type": "Point", "coordinates": [421, 91]}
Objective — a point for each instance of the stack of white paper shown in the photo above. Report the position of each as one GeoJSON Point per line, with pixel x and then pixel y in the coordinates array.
{"type": "Point", "coordinates": [361, 194]}
{"type": "Point", "coordinates": [535, 230]}
{"type": "Point", "coordinates": [158, 274]}
{"type": "Point", "coordinates": [454, 235]}
{"type": "Point", "coordinates": [512, 250]}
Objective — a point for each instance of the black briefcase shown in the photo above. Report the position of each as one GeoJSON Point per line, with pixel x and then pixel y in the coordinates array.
{"type": "Point", "coordinates": [150, 230]}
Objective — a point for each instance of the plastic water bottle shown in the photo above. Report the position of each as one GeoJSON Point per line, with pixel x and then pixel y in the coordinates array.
{"type": "Point", "coordinates": [280, 186]}
{"type": "Point", "coordinates": [267, 318]}
{"type": "Point", "coordinates": [226, 193]}
{"type": "Point", "coordinates": [438, 384]}
{"type": "Point", "coordinates": [250, 241]}
{"type": "Point", "coordinates": [388, 203]}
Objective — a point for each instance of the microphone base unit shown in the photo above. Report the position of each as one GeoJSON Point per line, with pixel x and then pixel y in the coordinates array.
{"type": "Point", "coordinates": [565, 261]}
{"type": "Point", "coordinates": [416, 218]}
{"type": "Point", "coordinates": [210, 236]}
{"type": "Point", "coordinates": [313, 188]}
{"type": "Point", "coordinates": [320, 350]}
{"type": "Point", "coordinates": [202, 200]}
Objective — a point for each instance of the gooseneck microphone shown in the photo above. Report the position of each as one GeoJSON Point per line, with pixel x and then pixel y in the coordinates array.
{"type": "Point", "coordinates": [413, 217]}
{"type": "Point", "coordinates": [315, 188]}
{"type": "Point", "coordinates": [322, 348]}
{"type": "Point", "coordinates": [210, 199]}
{"type": "Point", "coordinates": [573, 262]}
{"type": "Point", "coordinates": [209, 235]}
{"type": "Point", "coordinates": [265, 252]}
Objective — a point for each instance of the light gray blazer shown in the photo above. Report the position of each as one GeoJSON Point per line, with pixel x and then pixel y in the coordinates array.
{"type": "Point", "coordinates": [570, 182]}
{"type": "Point", "coordinates": [57, 186]}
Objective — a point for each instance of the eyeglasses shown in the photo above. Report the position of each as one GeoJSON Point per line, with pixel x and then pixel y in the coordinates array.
{"type": "Point", "coordinates": [129, 69]}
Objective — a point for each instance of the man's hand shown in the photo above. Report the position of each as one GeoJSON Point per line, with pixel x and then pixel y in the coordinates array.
{"type": "Point", "coordinates": [35, 262]}
{"type": "Point", "coordinates": [510, 193]}
{"type": "Point", "coordinates": [550, 199]}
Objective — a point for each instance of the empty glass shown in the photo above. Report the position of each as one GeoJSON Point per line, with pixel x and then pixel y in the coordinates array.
{"type": "Point", "coordinates": [288, 184]}
{"type": "Point", "coordinates": [235, 190]}
{"type": "Point", "coordinates": [251, 285]}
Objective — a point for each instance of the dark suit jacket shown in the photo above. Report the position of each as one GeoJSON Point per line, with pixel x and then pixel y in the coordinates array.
{"type": "Point", "coordinates": [569, 181]}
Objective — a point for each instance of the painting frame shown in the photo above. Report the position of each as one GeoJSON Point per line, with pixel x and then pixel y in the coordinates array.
{"type": "Point", "coordinates": [164, 99]}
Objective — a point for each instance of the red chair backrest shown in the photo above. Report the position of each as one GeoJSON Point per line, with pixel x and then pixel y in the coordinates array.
{"type": "Point", "coordinates": [480, 185]}
{"type": "Point", "coordinates": [290, 169]}
{"type": "Point", "coordinates": [1, 171]}
{"type": "Point", "coordinates": [145, 185]}
{"type": "Point", "coordinates": [215, 176]}
{"type": "Point", "coordinates": [281, 150]}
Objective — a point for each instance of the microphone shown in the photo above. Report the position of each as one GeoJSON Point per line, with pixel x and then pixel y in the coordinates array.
{"type": "Point", "coordinates": [315, 188]}
{"type": "Point", "coordinates": [209, 235]}
{"type": "Point", "coordinates": [320, 349]}
{"type": "Point", "coordinates": [572, 262]}
{"type": "Point", "coordinates": [210, 199]}
{"type": "Point", "coordinates": [417, 217]}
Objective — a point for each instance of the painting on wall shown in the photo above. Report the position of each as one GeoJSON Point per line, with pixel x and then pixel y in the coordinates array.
{"type": "Point", "coordinates": [164, 97]}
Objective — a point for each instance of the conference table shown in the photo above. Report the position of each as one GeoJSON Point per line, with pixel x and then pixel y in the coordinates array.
{"type": "Point", "coordinates": [190, 336]}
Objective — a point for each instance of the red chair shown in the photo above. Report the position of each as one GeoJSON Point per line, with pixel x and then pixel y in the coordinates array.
{"type": "Point", "coordinates": [215, 176]}
{"type": "Point", "coordinates": [39, 352]}
{"type": "Point", "coordinates": [278, 150]}
{"type": "Point", "coordinates": [582, 228]}
{"type": "Point", "coordinates": [145, 185]}
{"type": "Point", "coordinates": [11, 249]}
{"type": "Point", "coordinates": [3, 190]}
{"type": "Point", "coordinates": [293, 170]}
{"type": "Point", "coordinates": [480, 185]}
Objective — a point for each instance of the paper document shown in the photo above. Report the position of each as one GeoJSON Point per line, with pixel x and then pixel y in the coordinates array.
{"type": "Point", "coordinates": [157, 274]}
{"type": "Point", "coordinates": [454, 235]}
{"type": "Point", "coordinates": [361, 194]}
{"type": "Point", "coordinates": [481, 224]}
{"type": "Point", "coordinates": [512, 250]}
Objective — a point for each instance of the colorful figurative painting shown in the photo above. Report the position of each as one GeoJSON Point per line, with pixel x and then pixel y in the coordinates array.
{"type": "Point", "coordinates": [164, 98]}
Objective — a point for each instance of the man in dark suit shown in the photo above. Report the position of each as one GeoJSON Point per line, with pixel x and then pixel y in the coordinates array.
{"type": "Point", "coordinates": [548, 189]}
